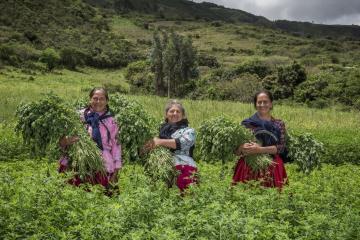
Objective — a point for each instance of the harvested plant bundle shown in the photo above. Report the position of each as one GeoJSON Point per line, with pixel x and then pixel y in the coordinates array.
{"type": "Point", "coordinates": [159, 165]}
{"type": "Point", "coordinates": [219, 138]}
{"type": "Point", "coordinates": [305, 151]}
{"type": "Point", "coordinates": [85, 157]}
{"type": "Point", "coordinates": [136, 125]}
{"type": "Point", "coordinates": [44, 122]}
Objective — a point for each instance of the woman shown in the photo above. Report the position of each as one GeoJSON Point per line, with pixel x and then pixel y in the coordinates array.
{"type": "Point", "coordinates": [180, 138]}
{"type": "Point", "coordinates": [271, 133]}
{"type": "Point", "coordinates": [103, 129]}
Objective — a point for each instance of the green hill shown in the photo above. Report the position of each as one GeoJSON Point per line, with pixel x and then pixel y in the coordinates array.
{"type": "Point", "coordinates": [235, 49]}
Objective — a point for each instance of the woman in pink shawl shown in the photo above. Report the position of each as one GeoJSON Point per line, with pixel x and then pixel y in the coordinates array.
{"type": "Point", "coordinates": [103, 129]}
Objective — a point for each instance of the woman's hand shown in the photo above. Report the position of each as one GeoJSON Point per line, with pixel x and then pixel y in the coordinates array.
{"type": "Point", "coordinates": [148, 146]}
{"type": "Point", "coordinates": [156, 141]}
{"type": "Point", "coordinates": [68, 140]}
{"type": "Point", "coordinates": [250, 148]}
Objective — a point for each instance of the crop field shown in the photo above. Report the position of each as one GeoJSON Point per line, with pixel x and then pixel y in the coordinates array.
{"type": "Point", "coordinates": [37, 203]}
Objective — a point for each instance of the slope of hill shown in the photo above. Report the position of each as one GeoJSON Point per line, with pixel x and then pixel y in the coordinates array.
{"type": "Point", "coordinates": [188, 10]}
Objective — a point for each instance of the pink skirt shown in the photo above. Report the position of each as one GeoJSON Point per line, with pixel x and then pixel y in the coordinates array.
{"type": "Point", "coordinates": [186, 176]}
{"type": "Point", "coordinates": [274, 176]}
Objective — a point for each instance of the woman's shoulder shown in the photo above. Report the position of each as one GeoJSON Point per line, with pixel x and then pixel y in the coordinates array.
{"type": "Point", "coordinates": [186, 130]}
{"type": "Point", "coordinates": [278, 121]}
{"type": "Point", "coordinates": [189, 129]}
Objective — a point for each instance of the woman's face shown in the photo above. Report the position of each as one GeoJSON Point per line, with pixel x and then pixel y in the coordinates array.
{"type": "Point", "coordinates": [174, 114]}
{"type": "Point", "coordinates": [263, 104]}
{"type": "Point", "coordinates": [98, 101]}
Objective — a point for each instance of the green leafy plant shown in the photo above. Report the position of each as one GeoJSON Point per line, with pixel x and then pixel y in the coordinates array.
{"type": "Point", "coordinates": [159, 166]}
{"type": "Point", "coordinates": [220, 137]}
{"type": "Point", "coordinates": [136, 125]}
{"type": "Point", "coordinates": [305, 151]}
{"type": "Point", "coordinates": [43, 123]}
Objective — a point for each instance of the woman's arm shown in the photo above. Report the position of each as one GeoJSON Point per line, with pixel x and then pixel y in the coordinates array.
{"type": "Point", "coordinates": [169, 143]}
{"type": "Point", "coordinates": [254, 148]}
{"type": "Point", "coordinates": [68, 140]}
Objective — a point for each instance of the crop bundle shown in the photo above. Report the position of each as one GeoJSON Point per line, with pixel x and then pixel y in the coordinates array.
{"type": "Point", "coordinates": [305, 151]}
{"type": "Point", "coordinates": [44, 122]}
{"type": "Point", "coordinates": [220, 137]}
{"type": "Point", "coordinates": [159, 165]}
{"type": "Point", "coordinates": [136, 126]}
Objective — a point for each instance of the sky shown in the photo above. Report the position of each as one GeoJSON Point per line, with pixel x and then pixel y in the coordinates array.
{"type": "Point", "coordinates": [345, 12]}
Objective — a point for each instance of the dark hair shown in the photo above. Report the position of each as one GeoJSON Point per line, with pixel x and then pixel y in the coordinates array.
{"type": "Point", "coordinates": [92, 92]}
{"type": "Point", "coordinates": [268, 93]}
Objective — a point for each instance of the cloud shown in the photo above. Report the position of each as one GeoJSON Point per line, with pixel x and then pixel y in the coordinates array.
{"type": "Point", "coordinates": [318, 11]}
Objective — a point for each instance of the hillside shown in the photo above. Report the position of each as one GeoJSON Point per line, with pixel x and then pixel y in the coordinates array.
{"type": "Point", "coordinates": [236, 52]}
{"type": "Point", "coordinates": [188, 10]}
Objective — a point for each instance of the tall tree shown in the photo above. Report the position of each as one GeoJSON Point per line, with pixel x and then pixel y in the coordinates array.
{"type": "Point", "coordinates": [156, 58]}
{"type": "Point", "coordinates": [173, 60]}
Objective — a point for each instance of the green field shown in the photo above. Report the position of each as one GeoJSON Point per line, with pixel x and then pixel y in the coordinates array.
{"type": "Point", "coordinates": [36, 202]}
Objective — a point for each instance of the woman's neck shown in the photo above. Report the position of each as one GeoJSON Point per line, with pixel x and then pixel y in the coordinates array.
{"type": "Point", "coordinates": [266, 116]}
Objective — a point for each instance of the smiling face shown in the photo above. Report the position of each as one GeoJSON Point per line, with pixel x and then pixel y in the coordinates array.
{"type": "Point", "coordinates": [174, 114]}
{"type": "Point", "coordinates": [263, 104]}
{"type": "Point", "coordinates": [98, 101]}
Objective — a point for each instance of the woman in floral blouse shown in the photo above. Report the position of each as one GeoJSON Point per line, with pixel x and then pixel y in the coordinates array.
{"type": "Point", "coordinates": [176, 135]}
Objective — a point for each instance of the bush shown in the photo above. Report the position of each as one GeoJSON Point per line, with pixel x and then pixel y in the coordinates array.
{"type": "Point", "coordinates": [287, 79]}
{"type": "Point", "coordinates": [240, 89]}
{"type": "Point", "coordinates": [216, 23]}
{"type": "Point", "coordinates": [72, 57]}
{"type": "Point", "coordinates": [140, 76]}
{"type": "Point", "coordinates": [208, 60]}
{"type": "Point", "coordinates": [17, 54]}
{"type": "Point", "coordinates": [253, 67]}
{"type": "Point", "coordinates": [50, 57]}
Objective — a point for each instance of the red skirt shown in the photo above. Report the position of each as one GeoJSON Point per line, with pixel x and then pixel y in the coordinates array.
{"type": "Point", "coordinates": [76, 180]}
{"type": "Point", "coordinates": [186, 176]}
{"type": "Point", "coordinates": [274, 176]}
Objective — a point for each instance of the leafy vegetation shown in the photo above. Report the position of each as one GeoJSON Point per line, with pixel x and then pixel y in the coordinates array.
{"type": "Point", "coordinates": [159, 166]}
{"type": "Point", "coordinates": [324, 204]}
{"type": "Point", "coordinates": [236, 51]}
{"type": "Point", "coordinates": [42, 124]}
{"type": "Point", "coordinates": [305, 151]}
{"type": "Point", "coordinates": [219, 139]}
{"type": "Point", "coordinates": [136, 126]}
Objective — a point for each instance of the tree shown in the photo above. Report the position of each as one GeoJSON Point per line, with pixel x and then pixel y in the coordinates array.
{"type": "Point", "coordinates": [287, 79]}
{"type": "Point", "coordinates": [156, 58]}
{"type": "Point", "coordinates": [173, 61]}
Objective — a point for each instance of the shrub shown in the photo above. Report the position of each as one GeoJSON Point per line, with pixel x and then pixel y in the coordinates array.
{"type": "Point", "coordinates": [240, 89]}
{"type": "Point", "coordinates": [140, 76]}
{"type": "Point", "coordinates": [72, 57]}
{"type": "Point", "coordinates": [16, 54]}
{"type": "Point", "coordinates": [208, 60]}
{"type": "Point", "coordinates": [50, 57]}
{"type": "Point", "coordinates": [137, 126]}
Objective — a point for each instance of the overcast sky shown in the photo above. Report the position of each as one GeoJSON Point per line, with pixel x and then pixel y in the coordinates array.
{"type": "Point", "coordinates": [317, 11]}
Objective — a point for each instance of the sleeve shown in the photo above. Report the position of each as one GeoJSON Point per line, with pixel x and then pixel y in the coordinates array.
{"type": "Point", "coordinates": [281, 146]}
{"type": "Point", "coordinates": [116, 147]}
{"type": "Point", "coordinates": [186, 140]}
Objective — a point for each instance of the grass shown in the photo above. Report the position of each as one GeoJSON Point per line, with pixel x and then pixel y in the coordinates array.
{"type": "Point", "coordinates": [18, 86]}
